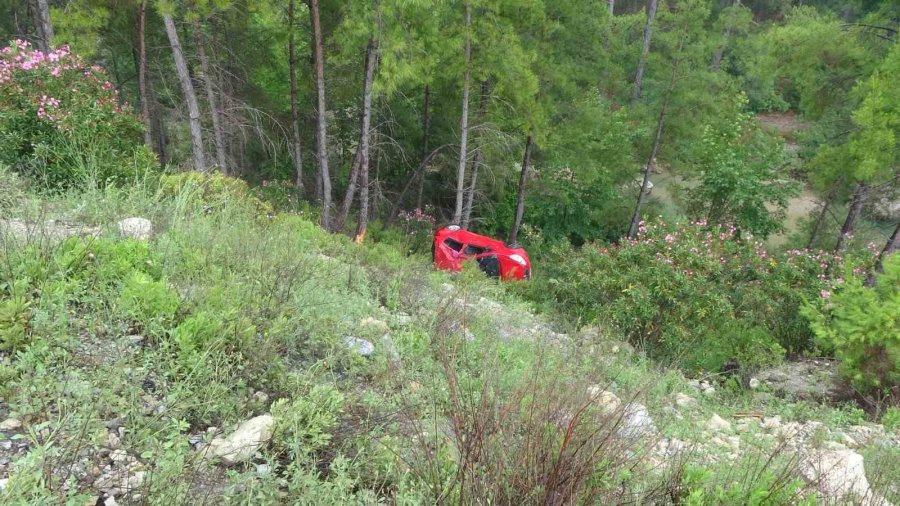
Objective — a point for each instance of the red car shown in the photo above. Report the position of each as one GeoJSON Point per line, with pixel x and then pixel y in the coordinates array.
{"type": "Point", "coordinates": [453, 245]}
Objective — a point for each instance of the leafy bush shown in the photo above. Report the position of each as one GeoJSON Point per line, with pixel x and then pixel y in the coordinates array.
{"type": "Point", "coordinates": [689, 293]}
{"type": "Point", "coordinates": [304, 424]}
{"type": "Point", "coordinates": [862, 326]}
{"type": "Point", "coordinates": [61, 121]}
{"type": "Point", "coordinates": [739, 176]}
{"type": "Point", "coordinates": [148, 302]}
{"type": "Point", "coordinates": [214, 190]}
{"type": "Point", "coordinates": [14, 318]}
{"type": "Point", "coordinates": [891, 418]}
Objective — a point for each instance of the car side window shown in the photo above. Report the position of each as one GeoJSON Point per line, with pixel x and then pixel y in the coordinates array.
{"type": "Point", "coordinates": [471, 249]}
{"type": "Point", "coordinates": [452, 244]}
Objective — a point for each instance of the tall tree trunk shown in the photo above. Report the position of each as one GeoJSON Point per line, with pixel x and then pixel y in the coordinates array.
{"type": "Point", "coordinates": [892, 245]}
{"type": "Point", "coordinates": [463, 125]}
{"type": "Point", "coordinates": [611, 5]}
{"type": "Point", "coordinates": [214, 112]}
{"type": "Point", "coordinates": [187, 89]}
{"type": "Point", "coordinates": [720, 51]}
{"type": "Point", "coordinates": [856, 204]}
{"type": "Point", "coordinates": [362, 222]}
{"type": "Point", "coordinates": [660, 121]}
{"type": "Point", "coordinates": [645, 50]}
{"type": "Point", "coordinates": [43, 25]}
{"type": "Point", "coordinates": [321, 127]}
{"type": "Point", "coordinates": [476, 158]}
{"type": "Point", "coordinates": [349, 195]}
{"type": "Point", "coordinates": [142, 74]}
{"type": "Point", "coordinates": [520, 203]}
{"type": "Point", "coordinates": [296, 149]}
{"type": "Point", "coordinates": [820, 219]}
{"type": "Point", "coordinates": [470, 195]}
{"type": "Point", "coordinates": [426, 127]}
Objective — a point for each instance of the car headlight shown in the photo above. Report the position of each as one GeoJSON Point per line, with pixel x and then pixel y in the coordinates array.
{"type": "Point", "coordinates": [517, 259]}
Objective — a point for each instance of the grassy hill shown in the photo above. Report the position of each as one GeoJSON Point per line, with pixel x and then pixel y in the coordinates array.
{"type": "Point", "coordinates": [211, 352]}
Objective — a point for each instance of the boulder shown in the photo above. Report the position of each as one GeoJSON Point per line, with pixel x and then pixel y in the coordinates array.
{"type": "Point", "coordinates": [812, 380]}
{"type": "Point", "coordinates": [636, 422]}
{"type": "Point", "coordinates": [135, 228]}
{"type": "Point", "coordinates": [359, 346]}
{"type": "Point", "coordinates": [10, 424]}
{"type": "Point", "coordinates": [839, 475]}
{"type": "Point", "coordinates": [244, 442]}
{"type": "Point", "coordinates": [607, 401]}
{"type": "Point", "coordinates": [718, 424]}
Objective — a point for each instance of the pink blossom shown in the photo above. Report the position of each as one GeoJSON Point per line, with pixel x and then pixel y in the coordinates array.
{"type": "Point", "coordinates": [825, 294]}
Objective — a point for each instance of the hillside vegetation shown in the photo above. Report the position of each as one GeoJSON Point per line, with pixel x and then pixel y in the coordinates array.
{"type": "Point", "coordinates": [215, 220]}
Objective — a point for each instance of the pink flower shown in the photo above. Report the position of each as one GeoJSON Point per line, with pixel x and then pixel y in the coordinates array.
{"type": "Point", "coordinates": [825, 294]}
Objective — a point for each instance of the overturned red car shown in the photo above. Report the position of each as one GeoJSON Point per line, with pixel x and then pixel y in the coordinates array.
{"type": "Point", "coordinates": [452, 246]}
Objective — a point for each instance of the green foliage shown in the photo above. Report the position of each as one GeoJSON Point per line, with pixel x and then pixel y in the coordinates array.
{"type": "Point", "coordinates": [304, 424]}
{"type": "Point", "coordinates": [701, 486]}
{"type": "Point", "coordinates": [862, 325]}
{"type": "Point", "coordinates": [14, 319]}
{"type": "Point", "coordinates": [891, 418]}
{"type": "Point", "coordinates": [213, 190]}
{"type": "Point", "coordinates": [693, 294]}
{"type": "Point", "coordinates": [60, 121]}
{"type": "Point", "coordinates": [148, 302]}
{"type": "Point", "coordinates": [740, 177]}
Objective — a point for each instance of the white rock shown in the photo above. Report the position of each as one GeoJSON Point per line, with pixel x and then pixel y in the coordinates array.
{"type": "Point", "coordinates": [10, 424]}
{"type": "Point", "coordinates": [112, 441]}
{"type": "Point", "coordinates": [245, 441]}
{"type": "Point", "coordinates": [834, 445]}
{"type": "Point", "coordinates": [359, 346]}
{"type": "Point", "coordinates": [263, 469]}
{"type": "Point", "coordinates": [694, 384]}
{"type": "Point", "coordinates": [770, 423]}
{"type": "Point", "coordinates": [260, 397]}
{"type": "Point", "coordinates": [118, 456]}
{"type": "Point", "coordinates": [684, 400]}
{"type": "Point", "coordinates": [606, 400]}
{"type": "Point", "coordinates": [636, 422]}
{"type": "Point", "coordinates": [838, 474]}
{"type": "Point", "coordinates": [110, 501]}
{"type": "Point", "coordinates": [3, 482]}
{"type": "Point", "coordinates": [742, 427]}
{"type": "Point", "coordinates": [754, 383]}
{"type": "Point", "coordinates": [136, 228]}
{"type": "Point", "coordinates": [718, 424]}
{"type": "Point", "coordinates": [709, 391]}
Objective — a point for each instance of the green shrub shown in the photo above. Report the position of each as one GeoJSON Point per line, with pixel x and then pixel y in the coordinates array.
{"type": "Point", "coordinates": [214, 190]}
{"type": "Point", "coordinates": [305, 423]}
{"type": "Point", "coordinates": [148, 302]}
{"type": "Point", "coordinates": [689, 293]}
{"type": "Point", "coordinates": [61, 122]}
{"type": "Point", "coordinates": [14, 319]}
{"type": "Point", "coordinates": [862, 325]}
{"type": "Point", "coordinates": [891, 418]}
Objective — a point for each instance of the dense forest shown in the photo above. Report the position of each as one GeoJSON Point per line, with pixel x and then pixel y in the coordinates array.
{"type": "Point", "coordinates": [215, 220]}
{"type": "Point", "coordinates": [370, 110]}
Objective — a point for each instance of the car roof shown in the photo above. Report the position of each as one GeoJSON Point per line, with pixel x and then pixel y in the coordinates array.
{"type": "Point", "coordinates": [466, 237]}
